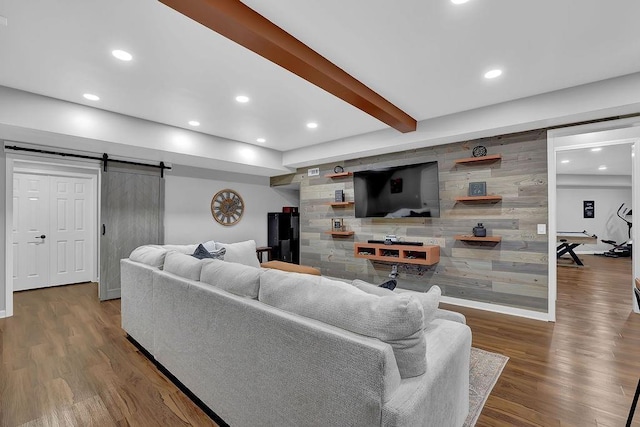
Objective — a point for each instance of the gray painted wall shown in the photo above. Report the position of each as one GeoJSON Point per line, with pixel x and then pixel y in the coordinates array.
{"type": "Point", "coordinates": [188, 206]}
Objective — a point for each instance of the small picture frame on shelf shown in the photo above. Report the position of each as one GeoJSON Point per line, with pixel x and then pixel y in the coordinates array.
{"type": "Point", "coordinates": [337, 224]}
{"type": "Point", "coordinates": [478, 188]}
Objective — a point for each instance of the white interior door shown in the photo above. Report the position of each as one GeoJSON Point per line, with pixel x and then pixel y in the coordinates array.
{"type": "Point", "coordinates": [71, 239]}
{"type": "Point", "coordinates": [53, 237]}
{"type": "Point", "coordinates": [30, 224]}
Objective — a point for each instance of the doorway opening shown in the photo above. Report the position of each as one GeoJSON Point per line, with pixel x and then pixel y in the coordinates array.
{"type": "Point", "coordinates": [587, 202]}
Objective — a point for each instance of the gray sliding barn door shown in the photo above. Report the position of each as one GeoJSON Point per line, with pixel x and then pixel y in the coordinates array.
{"type": "Point", "coordinates": [132, 214]}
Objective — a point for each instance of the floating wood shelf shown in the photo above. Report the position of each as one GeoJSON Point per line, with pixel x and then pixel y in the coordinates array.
{"type": "Point", "coordinates": [479, 199]}
{"type": "Point", "coordinates": [338, 175]}
{"type": "Point", "coordinates": [340, 233]}
{"type": "Point", "coordinates": [401, 254]}
{"type": "Point", "coordinates": [492, 158]}
{"type": "Point", "coordinates": [340, 204]}
{"type": "Point", "coordinates": [488, 239]}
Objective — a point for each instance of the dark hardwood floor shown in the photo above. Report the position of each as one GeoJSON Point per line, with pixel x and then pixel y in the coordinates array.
{"type": "Point", "coordinates": [66, 361]}
{"type": "Point", "coordinates": [581, 370]}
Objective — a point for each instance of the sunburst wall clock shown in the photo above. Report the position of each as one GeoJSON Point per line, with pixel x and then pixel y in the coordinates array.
{"type": "Point", "coordinates": [227, 207]}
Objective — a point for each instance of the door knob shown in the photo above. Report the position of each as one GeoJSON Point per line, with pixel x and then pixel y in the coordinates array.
{"type": "Point", "coordinates": [43, 236]}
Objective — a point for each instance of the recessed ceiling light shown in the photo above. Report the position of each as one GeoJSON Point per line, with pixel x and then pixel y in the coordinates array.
{"type": "Point", "coordinates": [312, 125]}
{"type": "Point", "coordinates": [459, 1]}
{"type": "Point", "coordinates": [603, 167]}
{"type": "Point", "coordinates": [261, 140]}
{"type": "Point", "coordinates": [565, 161]}
{"type": "Point", "coordinates": [122, 55]}
{"type": "Point", "coordinates": [492, 74]}
{"type": "Point", "coordinates": [242, 98]}
{"type": "Point", "coordinates": [597, 149]}
{"type": "Point", "coordinates": [194, 123]}
{"type": "Point", "coordinates": [91, 97]}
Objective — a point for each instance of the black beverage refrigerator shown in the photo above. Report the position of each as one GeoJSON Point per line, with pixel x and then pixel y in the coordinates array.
{"type": "Point", "coordinates": [284, 236]}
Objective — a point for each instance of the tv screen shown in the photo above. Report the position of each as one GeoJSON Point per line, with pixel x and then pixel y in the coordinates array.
{"type": "Point", "coordinates": [397, 192]}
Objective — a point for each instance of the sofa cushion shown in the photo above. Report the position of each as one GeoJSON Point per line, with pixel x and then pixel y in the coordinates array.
{"type": "Point", "coordinates": [232, 277]}
{"type": "Point", "coordinates": [429, 299]}
{"type": "Point", "coordinates": [241, 252]}
{"type": "Point", "coordinates": [182, 265]}
{"type": "Point", "coordinates": [394, 319]}
{"type": "Point", "coordinates": [185, 249]}
{"type": "Point", "coordinates": [149, 255]}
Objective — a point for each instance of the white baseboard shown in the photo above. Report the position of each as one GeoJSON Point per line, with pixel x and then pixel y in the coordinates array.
{"type": "Point", "coordinates": [520, 312]}
{"type": "Point", "coordinates": [3, 314]}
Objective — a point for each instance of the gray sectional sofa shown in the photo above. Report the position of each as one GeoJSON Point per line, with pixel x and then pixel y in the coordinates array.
{"type": "Point", "coordinates": [272, 348]}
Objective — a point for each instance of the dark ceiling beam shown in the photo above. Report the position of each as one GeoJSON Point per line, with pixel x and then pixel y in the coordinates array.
{"type": "Point", "coordinates": [241, 24]}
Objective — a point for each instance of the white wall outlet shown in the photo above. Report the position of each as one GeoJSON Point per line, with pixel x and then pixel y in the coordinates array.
{"type": "Point", "coordinates": [542, 228]}
{"type": "Point", "coordinates": [313, 172]}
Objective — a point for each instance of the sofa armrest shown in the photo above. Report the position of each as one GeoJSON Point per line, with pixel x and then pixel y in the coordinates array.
{"type": "Point", "coordinates": [439, 397]}
{"type": "Point", "coordinates": [450, 315]}
{"type": "Point", "coordinates": [136, 283]}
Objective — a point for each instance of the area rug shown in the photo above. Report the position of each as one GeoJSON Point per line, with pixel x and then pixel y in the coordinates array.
{"type": "Point", "coordinates": [485, 369]}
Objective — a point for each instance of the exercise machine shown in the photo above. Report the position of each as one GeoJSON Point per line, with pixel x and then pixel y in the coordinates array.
{"type": "Point", "coordinates": [623, 249]}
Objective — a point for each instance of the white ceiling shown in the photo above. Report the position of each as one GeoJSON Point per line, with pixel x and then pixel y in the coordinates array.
{"type": "Point", "coordinates": [427, 57]}
{"type": "Point", "coordinates": [587, 161]}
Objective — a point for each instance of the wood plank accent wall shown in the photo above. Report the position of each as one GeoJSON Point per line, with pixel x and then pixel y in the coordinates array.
{"type": "Point", "coordinates": [511, 273]}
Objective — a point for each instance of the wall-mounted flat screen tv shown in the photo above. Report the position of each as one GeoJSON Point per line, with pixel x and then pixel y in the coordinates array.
{"type": "Point", "coordinates": [397, 192]}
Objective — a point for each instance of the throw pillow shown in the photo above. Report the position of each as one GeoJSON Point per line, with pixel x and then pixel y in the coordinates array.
{"type": "Point", "coordinates": [232, 277]}
{"type": "Point", "coordinates": [429, 299]}
{"type": "Point", "coordinates": [389, 284]}
{"type": "Point", "coordinates": [218, 253]}
{"type": "Point", "coordinates": [241, 253]}
{"type": "Point", "coordinates": [394, 319]}
{"type": "Point", "coordinates": [210, 245]}
{"type": "Point", "coordinates": [201, 253]}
